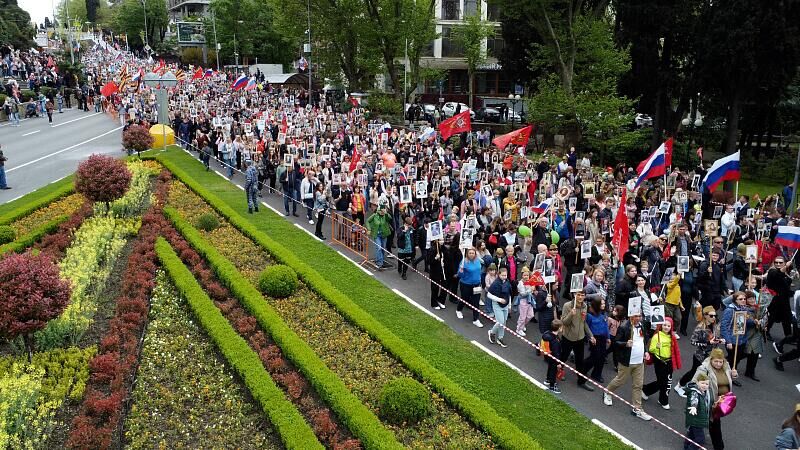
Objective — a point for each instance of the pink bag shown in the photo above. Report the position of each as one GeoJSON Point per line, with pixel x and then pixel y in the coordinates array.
{"type": "Point", "coordinates": [724, 406]}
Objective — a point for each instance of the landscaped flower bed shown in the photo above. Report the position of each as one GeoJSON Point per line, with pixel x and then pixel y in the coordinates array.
{"type": "Point", "coordinates": [353, 355]}
{"type": "Point", "coordinates": [64, 206]}
{"type": "Point", "coordinates": [196, 402]}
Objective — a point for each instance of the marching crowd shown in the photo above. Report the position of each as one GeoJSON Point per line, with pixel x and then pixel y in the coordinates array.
{"type": "Point", "coordinates": [552, 248]}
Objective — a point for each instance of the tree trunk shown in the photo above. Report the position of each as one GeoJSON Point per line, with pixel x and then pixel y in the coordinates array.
{"type": "Point", "coordinates": [27, 339]}
{"type": "Point", "coordinates": [732, 131]}
{"type": "Point", "coordinates": [471, 77]}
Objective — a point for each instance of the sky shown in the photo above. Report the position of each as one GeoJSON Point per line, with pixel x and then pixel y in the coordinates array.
{"type": "Point", "coordinates": [38, 9]}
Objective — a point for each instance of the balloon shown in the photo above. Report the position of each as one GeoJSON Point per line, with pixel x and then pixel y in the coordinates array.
{"type": "Point", "coordinates": [554, 236]}
{"type": "Point", "coordinates": [524, 231]}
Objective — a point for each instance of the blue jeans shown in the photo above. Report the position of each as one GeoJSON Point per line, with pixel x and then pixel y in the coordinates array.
{"type": "Point", "coordinates": [309, 208]}
{"type": "Point", "coordinates": [288, 196]}
{"type": "Point", "coordinates": [229, 162]}
{"type": "Point", "coordinates": [380, 244]}
{"type": "Point", "coordinates": [500, 317]}
{"type": "Point", "coordinates": [737, 283]}
{"type": "Point", "coordinates": [252, 201]}
{"type": "Point", "coordinates": [15, 118]}
{"type": "Point", "coordinates": [3, 177]}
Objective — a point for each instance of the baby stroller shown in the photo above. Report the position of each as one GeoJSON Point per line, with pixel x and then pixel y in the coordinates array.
{"type": "Point", "coordinates": [30, 110]}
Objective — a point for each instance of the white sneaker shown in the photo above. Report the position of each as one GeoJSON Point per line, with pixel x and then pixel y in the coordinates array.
{"type": "Point", "coordinates": [437, 308]}
{"type": "Point", "coordinates": [665, 406]}
{"type": "Point", "coordinates": [641, 414]}
{"type": "Point", "coordinates": [311, 222]}
{"type": "Point", "coordinates": [680, 390]}
{"type": "Point", "coordinates": [521, 333]}
{"type": "Point", "coordinates": [645, 397]}
{"type": "Point", "coordinates": [478, 324]}
{"type": "Point", "coordinates": [442, 306]}
{"type": "Point", "coordinates": [480, 302]}
{"type": "Point", "coordinates": [607, 399]}
{"type": "Point", "coordinates": [459, 315]}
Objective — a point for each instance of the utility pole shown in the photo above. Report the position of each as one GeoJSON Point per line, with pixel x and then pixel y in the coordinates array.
{"type": "Point", "coordinates": [144, 7]}
{"type": "Point", "coordinates": [309, 52]}
{"type": "Point", "coordinates": [793, 208]}
{"type": "Point", "coordinates": [216, 42]}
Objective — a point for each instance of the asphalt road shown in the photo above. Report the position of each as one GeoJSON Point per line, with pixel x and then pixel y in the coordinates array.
{"type": "Point", "coordinates": [49, 154]}
{"type": "Point", "coordinates": [39, 153]}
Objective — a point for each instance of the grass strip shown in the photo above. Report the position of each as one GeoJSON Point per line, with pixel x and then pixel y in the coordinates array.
{"type": "Point", "coordinates": [356, 416]}
{"type": "Point", "coordinates": [23, 242]}
{"type": "Point", "coordinates": [505, 433]}
{"type": "Point", "coordinates": [294, 431]}
{"type": "Point", "coordinates": [32, 201]}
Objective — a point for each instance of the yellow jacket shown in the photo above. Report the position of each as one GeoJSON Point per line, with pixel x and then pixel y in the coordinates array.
{"type": "Point", "coordinates": [674, 291]}
{"type": "Point", "coordinates": [661, 346]}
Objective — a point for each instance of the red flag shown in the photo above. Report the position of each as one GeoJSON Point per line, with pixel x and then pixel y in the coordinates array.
{"type": "Point", "coordinates": [356, 158]}
{"type": "Point", "coordinates": [517, 137]}
{"type": "Point", "coordinates": [108, 89]}
{"type": "Point", "coordinates": [198, 73]}
{"type": "Point", "coordinates": [284, 124]}
{"type": "Point", "coordinates": [668, 152]}
{"type": "Point", "coordinates": [700, 153]}
{"type": "Point", "coordinates": [441, 213]}
{"type": "Point", "coordinates": [162, 67]}
{"type": "Point", "coordinates": [50, 62]}
{"type": "Point", "coordinates": [536, 279]}
{"type": "Point", "coordinates": [353, 102]}
{"type": "Point", "coordinates": [622, 232]}
{"type": "Point", "coordinates": [456, 124]}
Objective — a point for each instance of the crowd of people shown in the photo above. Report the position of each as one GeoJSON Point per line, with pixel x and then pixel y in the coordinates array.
{"type": "Point", "coordinates": [515, 240]}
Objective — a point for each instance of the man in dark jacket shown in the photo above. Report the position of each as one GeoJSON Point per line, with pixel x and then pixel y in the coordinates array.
{"type": "Point", "coordinates": [630, 347]}
{"type": "Point", "coordinates": [779, 283]}
{"type": "Point", "coordinates": [288, 181]}
{"type": "Point", "coordinates": [711, 282]}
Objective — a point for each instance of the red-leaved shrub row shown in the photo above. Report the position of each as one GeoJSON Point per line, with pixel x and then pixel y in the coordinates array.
{"type": "Point", "coordinates": [113, 368]}
{"type": "Point", "coordinates": [322, 420]}
{"type": "Point", "coordinates": [55, 245]}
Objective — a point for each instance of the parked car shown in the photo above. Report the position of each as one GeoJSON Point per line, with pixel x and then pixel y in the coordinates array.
{"type": "Point", "coordinates": [449, 109]}
{"type": "Point", "coordinates": [488, 114]}
{"type": "Point", "coordinates": [643, 120]}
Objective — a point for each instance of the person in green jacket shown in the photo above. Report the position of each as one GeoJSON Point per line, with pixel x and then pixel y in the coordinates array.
{"type": "Point", "coordinates": [379, 228]}
{"type": "Point", "coordinates": [698, 406]}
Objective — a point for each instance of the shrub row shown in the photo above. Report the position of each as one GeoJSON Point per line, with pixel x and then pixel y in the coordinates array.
{"type": "Point", "coordinates": [504, 433]}
{"type": "Point", "coordinates": [359, 419]}
{"type": "Point", "coordinates": [31, 202]}
{"type": "Point", "coordinates": [293, 429]}
{"type": "Point", "coordinates": [111, 371]}
{"type": "Point", "coordinates": [23, 242]}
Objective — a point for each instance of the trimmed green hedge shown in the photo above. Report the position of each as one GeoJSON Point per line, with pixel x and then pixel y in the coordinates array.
{"type": "Point", "coordinates": [479, 412]}
{"type": "Point", "coordinates": [29, 203]}
{"type": "Point", "coordinates": [356, 416]}
{"type": "Point", "coordinates": [23, 242]}
{"type": "Point", "coordinates": [290, 425]}
{"type": "Point", "coordinates": [278, 281]}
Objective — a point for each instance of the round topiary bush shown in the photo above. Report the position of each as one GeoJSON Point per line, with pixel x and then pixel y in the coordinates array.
{"type": "Point", "coordinates": [207, 222]}
{"type": "Point", "coordinates": [404, 400]}
{"type": "Point", "coordinates": [102, 178]}
{"type": "Point", "coordinates": [278, 281]}
{"type": "Point", "coordinates": [7, 234]}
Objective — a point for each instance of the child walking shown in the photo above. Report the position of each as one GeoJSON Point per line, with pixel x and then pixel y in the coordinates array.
{"type": "Point", "coordinates": [552, 339]}
{"type": "Point", "coordinates": [698, 406]}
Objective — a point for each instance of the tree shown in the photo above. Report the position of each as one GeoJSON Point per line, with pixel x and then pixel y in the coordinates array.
{"type": "Point", "coordinates": [471, 35]}
{"type": "Point", "coordinates": [15, 25]}
{"type": "Point", "coordinates": [81, 11]}
{"type": "Point", "coordinates": [91, 10]}
{"type": "Point", "coordinates": [102, 178]}
{"type": "Point", "coordinates": [128, 19]}
{"type": "Point", "coordinates": [31, 294]}
{"type": "Point", "coordinates": [137, 139]}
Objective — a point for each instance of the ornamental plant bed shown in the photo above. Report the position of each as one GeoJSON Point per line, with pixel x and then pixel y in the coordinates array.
{"type": "Point", "coordinates": [352, 354]}
{"type": "Point", "coordinates": [448, 361]}
{"type": "Point", "coordinates": [185, 395]}
{"type": "Point", "coordinates": [298, 390]}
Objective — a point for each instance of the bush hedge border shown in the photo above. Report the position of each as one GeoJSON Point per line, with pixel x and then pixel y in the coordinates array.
{"type": "Point", "coordinates": [39, 198]}
{"type": "Point", "coordinates": [23, 242]}
{"type": "Point", "coordinates": [290, 425]}
{"type": "Point", "coordinates": [362, 422]}
{"type": "Point", "coordinates": [502, 431]}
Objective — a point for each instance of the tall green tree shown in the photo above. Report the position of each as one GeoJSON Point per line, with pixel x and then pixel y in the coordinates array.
{"type": "Point", "coordinates": [15, 25]}
{"type": "Point", "coordinates": [128, 18]}
{"type": "Point", "coordinates": [472, 36]}
{"type": "Point", "coordinates": [252, 23]}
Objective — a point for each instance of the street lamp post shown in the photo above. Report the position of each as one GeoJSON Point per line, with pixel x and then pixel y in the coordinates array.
{"type": "Point", "coordinates": [691, 125]}
{"type": "Point", "coordinates": [161, 84]}
{"type": "Point", "coordinates": [514, 99]}
{"type": "Point", "coordinates": [144, 8]}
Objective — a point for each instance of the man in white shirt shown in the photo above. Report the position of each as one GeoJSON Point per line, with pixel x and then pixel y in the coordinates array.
{"type": "Point", "coordinates": [630, 348]}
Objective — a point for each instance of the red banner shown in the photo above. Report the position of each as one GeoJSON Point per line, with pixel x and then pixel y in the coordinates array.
{"type": "Point", "coordinates": [454, 125]}
{"type": "Point", "coordinates": [517, 138]}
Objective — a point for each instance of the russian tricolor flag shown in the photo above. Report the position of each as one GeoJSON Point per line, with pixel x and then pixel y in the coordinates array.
{"type": "Point", "coordinates": [656, 164]}
{"type": "Point", "coordinates": [427, 134]}
{"type": "Point", "coordinates": [723, 169]}
{"type": "Point", "coordinates": [209, 73]}
{"type": "Point", "coordinates": [788, 237]}
{"type": "Point", "coordinates": [251, 84]}
{"type": "Point", "coordinates": [239, 83]}
{"type": "Point", "coordinates": [542, 207]}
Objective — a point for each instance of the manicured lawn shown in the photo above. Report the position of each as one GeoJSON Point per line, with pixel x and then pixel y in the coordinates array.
{"type": "Point", "coordinates": [548, 420]}
{"type": "Point", "coordinates": [763, 188]}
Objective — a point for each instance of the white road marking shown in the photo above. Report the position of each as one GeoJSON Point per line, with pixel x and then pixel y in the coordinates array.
{"type": "Point", "coordinates": [309, 233]}
{"type": "Point", "coordinates": [273, 209]}
{"type": "Point", "coordinates": [239, 186]}
{"type": "Point", "coordinates": [420, 307]}
{"type": "Point", "coordinates": [75, 120]}
{"type": "Point", "coordinates": [16, 198]}
{"type": "Point", "coordinates": [219, 173]}
{"type": "Point", "coordinates": [63, 150]}
{"type": "Point", "coordinates": [56, 181]}
{"type": "Point", "coordinates": [494, 355]}
{"type": "Point", "coordinates": [356, 264]}
{"type": "Point", "coordinates": [622, 438]}
{"type": "Point", "coordinates": [32, 132]}
{"type": "Point", "coordinates": [797, 386]}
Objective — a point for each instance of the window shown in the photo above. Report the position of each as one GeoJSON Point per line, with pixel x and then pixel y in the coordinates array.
{"type": "Point", "coordinates": [427, 50]}
{"type": "Point", "coordinates": [495, 44]}
{"type": "Point", "coordinates": [492, 11]}
{"type": "Point", "coordinates": [451, 9]}
{"type": "Point", "coordinates": [450, 46]}
{"type": "Point", "coordinates": [459, 82]}
{"type": "Point", "coordinates": [470, 7]}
